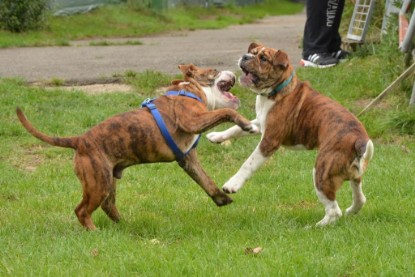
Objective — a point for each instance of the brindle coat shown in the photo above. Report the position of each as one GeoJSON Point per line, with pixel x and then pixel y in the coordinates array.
{"type": "Point", "coordinates": [299, 116]}
{"type": "Point", "coordinates": [130, 138]}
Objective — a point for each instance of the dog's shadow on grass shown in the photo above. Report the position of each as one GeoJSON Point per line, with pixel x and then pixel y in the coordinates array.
{"type": "Point", "coordinates": [152, 225]}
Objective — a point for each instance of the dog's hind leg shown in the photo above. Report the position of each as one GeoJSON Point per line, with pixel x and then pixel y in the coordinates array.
{"type": "Point", "coordinates": [326, 192]}
{"type": "Point", "coordinates": [358, 167]}
{"type": "Point", "coordinates": [96, 180]}
{"type": "Point", "coordinates": [359, 198]}
{"type": "Point", "coordinates": [191, 165]}
{"type": "Point", "coordinates": [108, 205]}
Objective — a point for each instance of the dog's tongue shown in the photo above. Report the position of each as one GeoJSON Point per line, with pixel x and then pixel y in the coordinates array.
{"type": "Point", "coordinates": [229, 95]}
{"type": "Point", "coordinates": [246, 79]}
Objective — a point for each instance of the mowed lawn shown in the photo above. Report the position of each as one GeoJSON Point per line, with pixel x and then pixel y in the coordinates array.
{"type": "Point", "coordinates": [170, 227]}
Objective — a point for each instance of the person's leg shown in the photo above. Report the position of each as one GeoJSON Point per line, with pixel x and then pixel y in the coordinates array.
{"type": "Point", "coordinates": [335, 9]}
{"type": "Point", "coordinates": [317, 36]}
{"type": "Point", "coordinates": [321, 25]}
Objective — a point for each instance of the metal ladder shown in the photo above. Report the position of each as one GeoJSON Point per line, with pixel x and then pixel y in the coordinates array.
{"type": "Point", "coordinates": [359, 23]}
{"type": "Point", "coordinates": [406, 34]}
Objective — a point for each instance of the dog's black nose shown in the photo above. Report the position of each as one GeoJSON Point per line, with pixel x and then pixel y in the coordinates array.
{"type": "Point", "coordinates": [245, 57]}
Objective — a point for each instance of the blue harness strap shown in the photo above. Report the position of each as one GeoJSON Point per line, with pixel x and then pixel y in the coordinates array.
{"type": "Point", "coordinates": [183, 93]}
{"type": "Point", "coordinates": [148, 103]}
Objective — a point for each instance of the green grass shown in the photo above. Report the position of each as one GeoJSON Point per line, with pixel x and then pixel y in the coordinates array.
{"type": "Point", "coordinates": [170, 227]}
{"type": "Point", "coordinates": [112, 43]}
{"type": "Point", "coordinates": [122, 21]}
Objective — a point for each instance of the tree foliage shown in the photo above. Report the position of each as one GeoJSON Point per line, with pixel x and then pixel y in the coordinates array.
{"type": "Point", "coordinates": [22, 15]}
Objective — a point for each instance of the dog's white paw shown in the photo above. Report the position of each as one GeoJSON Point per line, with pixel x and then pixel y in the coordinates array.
{"type": "Point", "coordinates": [254, 129]}
{"type": "Point", "coordinates": [350, 211]}
{"type": "Point", "coordinates": [232, 185]}
{"type": "Point", "coordinates": [331, 216]}
{"type": "Point", "coordinates": [216, 137]}
{"type": "Point", "coordinates": [357, 205]}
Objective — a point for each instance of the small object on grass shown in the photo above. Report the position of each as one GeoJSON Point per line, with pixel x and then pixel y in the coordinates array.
{"type": "Point", "coordinates": [253, 251]}
{"type": "Point", "coordinates": [154, 241]}
{"type": "Point", "coordinates": [94, 252]}
{"type": "Point", "coordinates": [226, 142]}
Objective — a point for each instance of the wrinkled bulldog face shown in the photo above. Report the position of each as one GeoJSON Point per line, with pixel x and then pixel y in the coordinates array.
{"type": "Point", "coordinates": [216, 85]}
{"type": "Point", "coordinates": [263, 68]}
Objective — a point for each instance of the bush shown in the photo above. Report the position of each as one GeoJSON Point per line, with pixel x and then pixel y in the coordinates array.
{"type": "Point", "coordinates": [145, 5]}
{"type": "Point", "coordinates": [139, 4]}
{"type": "Point", "coordinates": [22, 15]}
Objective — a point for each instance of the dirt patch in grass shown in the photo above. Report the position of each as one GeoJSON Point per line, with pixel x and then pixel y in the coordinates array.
{"type": "Point", "coordinates": [98, 88]}
{"type": "Point", "coordinates": [303, 204]}
{"type": "Point", "coordinates": [30, 159]}
{"type": "Point", "coordinates": [91, 87]}
{"type": "Point", "coordinates": [362, 103]}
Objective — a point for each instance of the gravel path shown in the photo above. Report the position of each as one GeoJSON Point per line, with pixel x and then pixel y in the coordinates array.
{"type": "Point", "coordinates": [215, 48]}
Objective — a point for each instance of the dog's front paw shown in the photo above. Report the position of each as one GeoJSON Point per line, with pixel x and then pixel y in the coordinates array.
{"type": "Point", "coordinates": [232, 185]}
{"type": "Point", "coordinates": [251, 128]}
{"type": "Point", "coordinates": [221, 199]}
{"type": "Point", "coordinates": [216, 137]}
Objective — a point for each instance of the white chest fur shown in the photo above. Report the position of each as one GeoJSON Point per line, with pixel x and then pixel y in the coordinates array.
{"type": "Point", "coordinates": [262, 107]}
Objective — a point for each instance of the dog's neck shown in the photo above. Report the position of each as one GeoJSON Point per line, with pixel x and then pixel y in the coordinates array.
{"type": "Point", "coordinates": [210, 98]}
{"type": "Point", "coordinates": [191, 85]}
{"type": "Point", "coordinates": [282, 84]}
{"type": "Point", "coordinates": [284, 87]}
{"type": "Point", "coordinates": [200, 90]}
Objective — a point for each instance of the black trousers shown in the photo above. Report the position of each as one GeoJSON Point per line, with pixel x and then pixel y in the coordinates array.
{"type": "Point", "coordinates": [321, 31]}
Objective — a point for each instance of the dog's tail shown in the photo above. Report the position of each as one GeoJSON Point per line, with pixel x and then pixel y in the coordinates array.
{"type": "Point", "coordinates": [70, 142]}
{"type": "Point", "coordinates": [365, 151]}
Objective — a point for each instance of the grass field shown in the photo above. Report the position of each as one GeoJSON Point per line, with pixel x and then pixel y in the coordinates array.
{"type": "Point", "coordinates": [170, 227]}
{"type": "Point", "coordinates": [122, 21]}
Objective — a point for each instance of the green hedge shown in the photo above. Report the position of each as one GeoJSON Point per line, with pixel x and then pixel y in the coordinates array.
{"type": "Point", "coordinates": [22, 15]}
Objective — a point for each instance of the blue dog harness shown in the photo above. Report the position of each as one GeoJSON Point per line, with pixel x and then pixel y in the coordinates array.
{"type": "Point", "coordinates": [148, 103]}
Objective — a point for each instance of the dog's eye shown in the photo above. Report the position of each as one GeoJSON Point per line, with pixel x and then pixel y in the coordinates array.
{"type": "Point", "coordinates": [263, 58]}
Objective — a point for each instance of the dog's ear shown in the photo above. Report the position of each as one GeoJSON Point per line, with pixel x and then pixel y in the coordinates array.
{"type": "Point", "coordinates": [187, 69]}
{"type": "Point", "coordinates": [280, 59]}
{"type": "Point", "coordinates": [253, 45]}
{"type": "Point", "coordinates": [184, 68]}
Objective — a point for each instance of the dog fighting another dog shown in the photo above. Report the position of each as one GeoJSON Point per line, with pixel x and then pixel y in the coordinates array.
{"type": "Point", "coordinates": [103, 152]}
{"type": "Point", "coordinates": [289, 113]}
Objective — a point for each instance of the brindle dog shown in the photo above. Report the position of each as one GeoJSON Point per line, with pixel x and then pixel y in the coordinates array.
{"type": "Point", "coordinates": [130, 138]}
{"type": "Point", "coordinates": [291, 113]}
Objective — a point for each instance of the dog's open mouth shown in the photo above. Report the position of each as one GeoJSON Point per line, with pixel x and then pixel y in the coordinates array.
{"type": "Point", "coordinates": [220, 95]}
{"type": "Point", "coordinates": [248, 78]}
{"type": "Point", "coordinates": [225, 86]}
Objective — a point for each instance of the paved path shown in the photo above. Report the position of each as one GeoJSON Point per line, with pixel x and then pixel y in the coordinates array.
{"type": "Point", "coordinates": [215, 48]}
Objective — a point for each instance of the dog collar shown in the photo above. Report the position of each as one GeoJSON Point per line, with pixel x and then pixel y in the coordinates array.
{"type": "Point", "coordinates": [282, 85]}
{"type": "Point", "coordinates": [148, 103]}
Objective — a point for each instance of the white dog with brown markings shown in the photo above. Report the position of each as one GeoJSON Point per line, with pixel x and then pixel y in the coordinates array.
{"type": "Point", "coordinates": [290, 113]}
